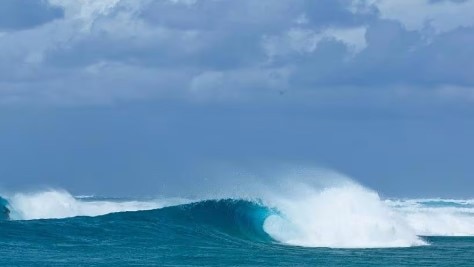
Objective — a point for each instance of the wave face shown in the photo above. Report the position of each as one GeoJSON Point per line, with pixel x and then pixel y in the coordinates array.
{"type": "Point", "coordinates": [4, 210]}
{"type": "Point", "coordinates": [210, 220]}
{"type": "Point", "coordinates": [238, 219]}
{"type": "Point", "coordinates": [206, 233]}
{"type": "Point", "coordinates": [343, 216]}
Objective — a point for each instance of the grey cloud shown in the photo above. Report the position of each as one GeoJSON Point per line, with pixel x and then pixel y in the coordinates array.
{"type": "Point", "coordinates": [22, 14]}
{"type": "Point", "coordinates": [327, 13]}
{"type": "Point", "coordinates": [440, 1]}
{"type": "Point", "coordinates": [394, 57]}
{"type": "Point", "coordinates": [248, 15]}
{"type": "Point", "coordinates": [181, 49]}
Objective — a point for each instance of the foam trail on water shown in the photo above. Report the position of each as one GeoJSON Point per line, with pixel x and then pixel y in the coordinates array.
{"type": "Point", "coordinates": [56, 204]}
{"type": "Point", "coordinates": [437, 217]}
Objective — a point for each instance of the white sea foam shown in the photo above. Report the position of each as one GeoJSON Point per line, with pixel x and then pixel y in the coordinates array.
{"type": "Point", "coordinates": [326, 209]}
{"type": "Point", "coordinates": [56, 204]}
{"type": "Point", "coordinates": [437, 217]}
{"type": "Point", "coordinates": [347, 216]}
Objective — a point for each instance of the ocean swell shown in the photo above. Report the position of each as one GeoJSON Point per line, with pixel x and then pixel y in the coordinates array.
{"type": "Point", "coordinates": [338, 216]}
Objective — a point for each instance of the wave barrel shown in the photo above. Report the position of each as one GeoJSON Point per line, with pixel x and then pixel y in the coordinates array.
{"type": "Point", "coordinates": [4, 211]}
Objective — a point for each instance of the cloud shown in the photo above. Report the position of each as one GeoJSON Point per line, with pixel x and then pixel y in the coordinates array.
{"type": "Point", "coordinates": [422, 15]}
{"type": "Point", "coordinates": [306, 40]}
{"type": "Point", "coordinates": [239, 84]}
{"type": "Point", "coordinates": [23, 14]}
{"type": "Point", "coordinates": [103, 51]}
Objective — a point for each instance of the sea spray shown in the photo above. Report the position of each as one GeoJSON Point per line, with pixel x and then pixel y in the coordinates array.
{"type": "Point", "coordinates": [348, 216]}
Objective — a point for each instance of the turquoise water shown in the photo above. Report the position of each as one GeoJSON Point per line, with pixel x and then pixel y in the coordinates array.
{"type": "Point", "coordinates": [4, 211]}
{"type": "Point", "coordinates": [206, 233]}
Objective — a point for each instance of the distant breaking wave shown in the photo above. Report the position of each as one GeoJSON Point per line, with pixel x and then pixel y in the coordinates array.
{"type": "Point", "coordinates": [437, 217]}
{"type": "Point", "coordinates": [343, 216]}
{"type": "Point", "coordinates": [57, 204]}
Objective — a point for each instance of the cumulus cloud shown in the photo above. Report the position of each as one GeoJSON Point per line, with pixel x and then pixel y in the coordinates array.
{"type": "Point", "coordinates": [439, 15]}
{"type": "Point", "coordinates": [101, 51]}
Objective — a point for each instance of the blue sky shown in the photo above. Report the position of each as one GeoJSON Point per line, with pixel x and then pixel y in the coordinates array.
{"type": "Point", "coordinates": [126, 97]}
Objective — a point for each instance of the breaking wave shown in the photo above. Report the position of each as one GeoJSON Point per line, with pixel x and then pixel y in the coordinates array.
{"type": "Point", "coordinates": [346, 215]}
{"type": "Point", "coordinates": [57, 204]}
{"type": "Point", "coordinates": [437, 217]}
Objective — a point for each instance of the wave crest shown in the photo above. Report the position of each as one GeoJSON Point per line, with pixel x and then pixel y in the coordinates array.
{"type": "Point", "coordinates": [345, 217]}
{"type": "Point", "coordinates": [57, 204]}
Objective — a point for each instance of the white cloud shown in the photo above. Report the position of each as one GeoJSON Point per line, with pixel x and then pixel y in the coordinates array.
{"type": "Point", "coordinates": [302, 19]}
{"type": "Point", "coordinates": [303, 40]}
{"type": "Point", "coordinates": [185, 2]}
{"type": "Point", "coordinates": [85, 11]}
{"type": "Point", "coordinates": [353, 38]}
{"type": "Point", "coordinates": [443, 16]}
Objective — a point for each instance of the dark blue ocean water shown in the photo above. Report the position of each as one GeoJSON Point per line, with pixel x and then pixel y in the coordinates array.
{"type": "Point", "coordinates": [207, 233]}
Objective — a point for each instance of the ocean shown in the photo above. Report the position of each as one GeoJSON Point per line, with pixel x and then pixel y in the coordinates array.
{"type": "Point", "coordinates": [348, 226]}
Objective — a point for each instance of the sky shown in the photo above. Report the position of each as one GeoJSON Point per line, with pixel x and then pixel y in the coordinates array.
{"type": "Point", "coordinates": [144, 97]}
